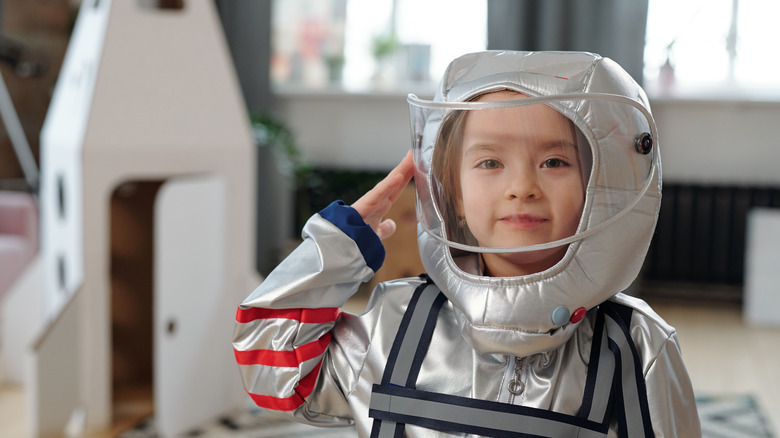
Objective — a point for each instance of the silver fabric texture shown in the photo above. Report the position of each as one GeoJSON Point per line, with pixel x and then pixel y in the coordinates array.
{"type": "Point", "coordinates": [357, 354]}
{"type": "Point", "coordinates": [486, 322]}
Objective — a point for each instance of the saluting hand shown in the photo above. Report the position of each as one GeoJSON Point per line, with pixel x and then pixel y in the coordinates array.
{"type": "Point", "coordinates": [375, 204]}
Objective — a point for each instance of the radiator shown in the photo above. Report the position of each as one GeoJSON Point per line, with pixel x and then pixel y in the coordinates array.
{"type": "Point", "coordinates": [700, 237]}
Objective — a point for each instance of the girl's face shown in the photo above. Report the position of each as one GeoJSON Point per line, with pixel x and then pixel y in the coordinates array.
{"type": "Point", "coordinates": [520, 182]}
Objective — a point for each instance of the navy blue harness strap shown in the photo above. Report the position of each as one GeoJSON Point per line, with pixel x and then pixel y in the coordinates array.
{"type": "Point", "coordinates": [408, 352]}
{"type": "Point", "coordinates": [480, 417]}
{"type": "Point", "coordinates": [634, 414]}
{"type": "Point", "coordinates": [409, 348]}
{"type": "Point", "coordinates": [596, 399]}
{"type": "Point", "coordinates": [614, 387]}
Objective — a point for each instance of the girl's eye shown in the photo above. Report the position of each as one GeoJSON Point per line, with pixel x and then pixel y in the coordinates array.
{"type": "Point", "coordinates": [554, 163]}
{"type": "Point", "coordinates": [490, 164]}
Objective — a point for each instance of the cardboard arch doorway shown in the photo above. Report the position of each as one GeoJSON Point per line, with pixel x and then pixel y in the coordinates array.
{"type": "Point", "coordinates": [167, 246]}
{"type": "Point", "coordinates": [132, 295]}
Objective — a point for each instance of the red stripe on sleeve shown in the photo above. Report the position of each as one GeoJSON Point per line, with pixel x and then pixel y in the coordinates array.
{"type": "Point", "coordinates": [303, 390]}
{"type": "Point", "coordinates": [291, 358]}
{"type": "Point", "coordinates": [313, 316]}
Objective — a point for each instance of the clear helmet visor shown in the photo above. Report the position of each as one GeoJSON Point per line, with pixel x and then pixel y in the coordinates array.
{"type": "Point", "coordinates": [505, 173]}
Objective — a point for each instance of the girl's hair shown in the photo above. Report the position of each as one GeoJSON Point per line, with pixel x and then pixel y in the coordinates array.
{"type": "Point", "coordinates": [446, 169]}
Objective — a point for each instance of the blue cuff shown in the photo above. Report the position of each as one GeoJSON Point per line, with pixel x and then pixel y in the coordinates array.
{"type": "Point", "coordinates": [349, 221]}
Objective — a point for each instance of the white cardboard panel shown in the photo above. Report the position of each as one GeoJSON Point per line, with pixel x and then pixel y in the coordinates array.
{"type": "Point", "coordinates": [762, 268]}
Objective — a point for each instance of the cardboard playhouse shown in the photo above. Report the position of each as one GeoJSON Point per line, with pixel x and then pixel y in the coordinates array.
{"type": "Point", "coordinates": [147, 210]}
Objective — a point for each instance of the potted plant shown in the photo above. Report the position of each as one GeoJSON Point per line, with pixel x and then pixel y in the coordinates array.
{"type": "Point", "coordinates": [282, 176]}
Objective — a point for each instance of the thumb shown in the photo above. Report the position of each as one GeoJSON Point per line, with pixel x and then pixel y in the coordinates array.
{"type": "Point", "coordinates": [385, 229]}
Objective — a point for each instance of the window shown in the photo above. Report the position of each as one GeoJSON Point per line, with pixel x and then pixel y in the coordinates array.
{"type": "Point", "coordinates": [357, 44]}
{"type": "Point", "coordinates": [714, 44]}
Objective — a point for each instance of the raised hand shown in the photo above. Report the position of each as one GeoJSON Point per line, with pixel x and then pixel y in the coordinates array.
{"type": "Point", "coordinates": [375, 204]}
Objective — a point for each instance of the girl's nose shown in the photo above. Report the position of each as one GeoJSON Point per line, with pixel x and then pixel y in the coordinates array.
{"type": "Point", "coordinates": [523, 184]}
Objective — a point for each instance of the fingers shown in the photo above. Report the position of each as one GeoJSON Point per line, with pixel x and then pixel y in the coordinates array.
{"type": "Point", "coordinates": [377, 202]}
{"type": "Point", "coordinates": [393, 184]}
{"type": "Point", "coordinates": [402, 174]}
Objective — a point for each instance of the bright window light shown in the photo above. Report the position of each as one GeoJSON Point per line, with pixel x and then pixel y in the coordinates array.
{"type": "Point", "coordinates": [711, 45]}
{"type": "Point", "coordinates": [366, 44]}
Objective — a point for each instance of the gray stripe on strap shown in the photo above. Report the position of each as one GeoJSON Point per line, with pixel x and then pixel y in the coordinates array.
{"type": "Point", "coordinates": [496, 420]}
{"type": "Point", "coordinates": [635, 426]}
{"type": "Point", "coordinates": [403, 362]}
{"type": "Point", "coordinates": [409, 345]}
{"type": "Point", "coordinates": [386, 428]}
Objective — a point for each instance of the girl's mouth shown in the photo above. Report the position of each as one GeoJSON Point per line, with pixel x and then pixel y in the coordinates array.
{"type": "Point", "coordinates": [522, 221]}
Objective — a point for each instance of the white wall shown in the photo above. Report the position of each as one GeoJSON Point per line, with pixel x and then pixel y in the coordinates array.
{"type": "Point", "coordinates": [719, 141]}
{"type": "Point", "coordinates": [336, 129]}
{"type": "Point", "coordinates": [702, 141]}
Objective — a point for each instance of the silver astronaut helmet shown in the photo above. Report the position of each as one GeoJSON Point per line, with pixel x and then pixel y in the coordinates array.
{"type": "Point", "coordinates": [538, 188]}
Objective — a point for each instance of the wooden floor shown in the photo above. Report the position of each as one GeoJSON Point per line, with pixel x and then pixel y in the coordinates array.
{"type": "Point", "coordinates": [724, 356]}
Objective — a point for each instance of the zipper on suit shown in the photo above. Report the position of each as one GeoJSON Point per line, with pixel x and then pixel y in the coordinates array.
{"type": "Point", "coordinates": [516, 385]}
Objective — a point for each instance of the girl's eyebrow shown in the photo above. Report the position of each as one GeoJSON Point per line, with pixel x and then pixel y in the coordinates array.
{"type": "Point", "coordinates": [492, 147]}
{"type": "Point", "coordinates": [564, 143]}
{"type": "Point", "coordinates": [480, 147]}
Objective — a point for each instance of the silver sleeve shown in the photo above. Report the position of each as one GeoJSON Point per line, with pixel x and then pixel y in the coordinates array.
{"type": "Point", "coordinates": [283, 338]}
{"type": "Point", "coordinates": [670, 394]}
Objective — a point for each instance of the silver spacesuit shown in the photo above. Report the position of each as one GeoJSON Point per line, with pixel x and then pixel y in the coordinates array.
{"type": "Point", "coordinates": [560, 352]}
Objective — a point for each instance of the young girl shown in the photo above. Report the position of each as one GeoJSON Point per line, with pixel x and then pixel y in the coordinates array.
{"type": "Point", "coordinates": [538, 188]}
